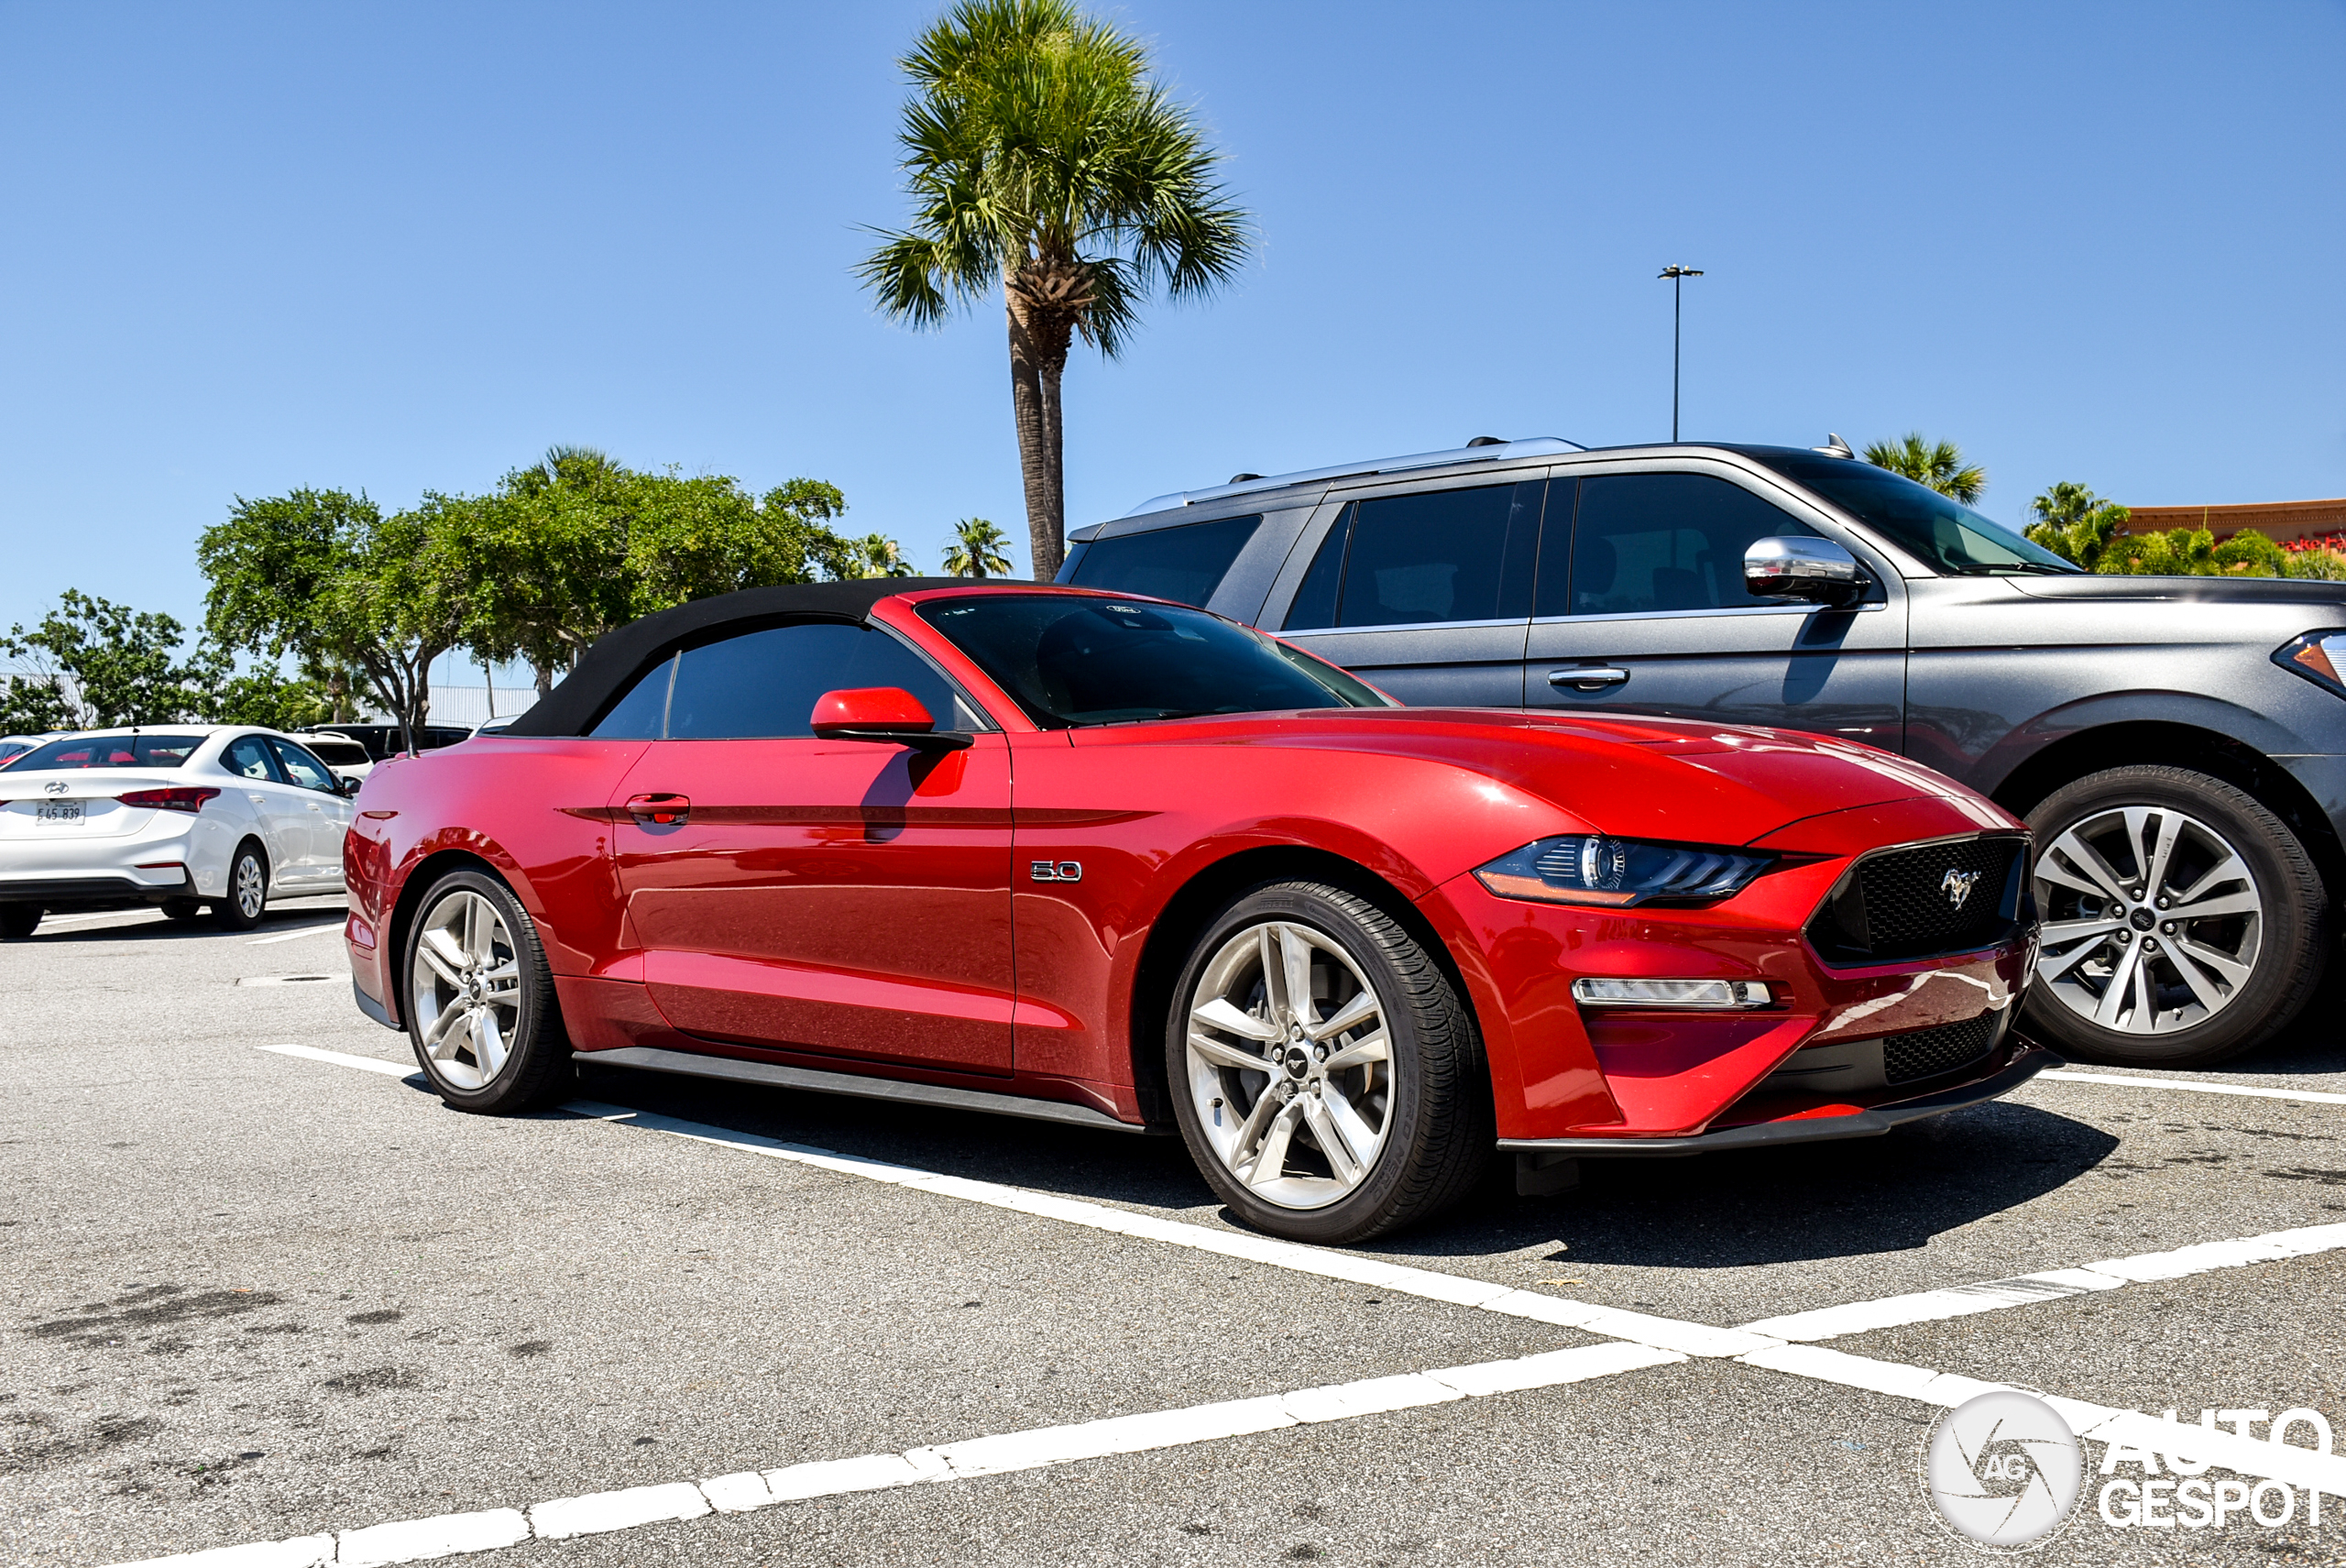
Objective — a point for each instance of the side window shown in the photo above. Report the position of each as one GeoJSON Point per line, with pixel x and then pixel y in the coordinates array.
{"type": "Point", "coordinates": [248, 755]}
{"type": "Point", "coordinates": [1442, 555]}
{"type": "Point", "coordinates": [303, 768]}
{"type": "Point", "coordinates": [764, 683]}
{"type": "Point", "coordinates": [1648, 543]}
{"type": "Point", "coordinates": [1315, 601]}
{"type": "Point", "coordinates": [1184, 564]}
{"type": "Point", "coordinates": [643, 713]}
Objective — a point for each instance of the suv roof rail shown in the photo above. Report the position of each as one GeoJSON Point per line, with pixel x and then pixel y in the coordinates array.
{"type": "Point", "coordinates": [1483, 449]}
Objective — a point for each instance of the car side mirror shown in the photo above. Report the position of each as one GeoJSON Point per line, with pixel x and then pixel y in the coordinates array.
{"type": "Point", "coordinates": [1798, 567]}
{"type": "Point", "coordinates": [880, 713]}
{"type": "Point", "coordinates": [348, 784]}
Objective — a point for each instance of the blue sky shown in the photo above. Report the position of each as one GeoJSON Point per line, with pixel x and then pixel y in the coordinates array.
{"type": "Point", "coordinates": [395, 248]}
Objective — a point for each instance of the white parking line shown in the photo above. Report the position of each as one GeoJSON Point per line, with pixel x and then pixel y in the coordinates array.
{"type": "Point", "coordinates": [1995, 1295]}
{"type": "Point", "coordinates": [2318, 1097]}
{"type": "Point", "coordinates": [1649, 1342]}
{"type": "Point", "coordinates": [600, 1513]}
{"type": "Point", "coordinates": [2102, 1423]}
{"type": "Point", "coordinates": [294, 935]}
{"type": "Point", "coordinates": [1667, 1334]}
{"type": "Point", "coordinates": [341, 1059]}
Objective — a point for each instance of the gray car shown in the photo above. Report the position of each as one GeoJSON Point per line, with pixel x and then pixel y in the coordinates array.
{"type": "Point", "coordinates": [2178, 745]}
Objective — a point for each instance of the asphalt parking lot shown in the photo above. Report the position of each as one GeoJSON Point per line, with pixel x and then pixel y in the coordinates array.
{"type": "Point", "coordinates": [260, 1295]}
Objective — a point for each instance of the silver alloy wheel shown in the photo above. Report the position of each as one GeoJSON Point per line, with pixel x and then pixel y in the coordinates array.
{"type": "Point", "coordinates": [251, 889]}
{"type": "Point", "coordinates": [467, 979]}
{"type": "Point", "coordinates": [2152, 920]}
{"type": "Point", "coordinates": [1291, 1065]}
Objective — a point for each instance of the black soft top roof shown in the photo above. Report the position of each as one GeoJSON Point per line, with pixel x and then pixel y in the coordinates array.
{"type": "Point", "coordinates": [605, 670]}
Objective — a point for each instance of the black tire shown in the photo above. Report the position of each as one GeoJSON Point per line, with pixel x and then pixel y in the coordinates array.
{"type": "Point", "coordinates": [181, 909]}
{"type": "Point", "coordinates": [536, 1068]}
{"type": "Point", "coordinates": [241, 907]}
{"type": "Point", "coordinates": [2287, 940]}
{"type": "Point", "coordinates": [18, 921]}
{"type": "Point", "coordinates": [1436, 1113]}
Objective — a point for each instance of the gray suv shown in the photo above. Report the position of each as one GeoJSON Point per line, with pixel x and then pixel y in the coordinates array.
{"type": "Point", "coordinates": [2178, 745]}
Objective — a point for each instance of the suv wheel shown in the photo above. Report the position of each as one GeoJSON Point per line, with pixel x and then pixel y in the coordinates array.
{"type": "Point", "coordinates": [1327, 1076]}
{"type": "Point", "coordinates": [2184, 923]}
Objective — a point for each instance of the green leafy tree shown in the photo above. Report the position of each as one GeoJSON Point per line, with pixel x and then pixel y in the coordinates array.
{"type": "Point", "coordinates": [93, 664]}
{"type": "Point", "coordinates": [324, 575]}
{"type": "Point", "coordinates": [2074, 524]}
{"type": "Point", "coordinates": [1042, 159]}
{"type": "Point", "coordinates": [563, 551]}
{"type": "Point", "coordinates": [1936, 464]}
{"type": "Point", "coordinates": [978, 550]}
{"type": "Point", "coordinates": [268, 697]}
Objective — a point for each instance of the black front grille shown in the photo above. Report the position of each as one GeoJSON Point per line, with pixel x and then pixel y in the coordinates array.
{"type": "Point", "coordinates": [1927, 1053]}
{"type": "Point", "coordinates": [1921, 902]}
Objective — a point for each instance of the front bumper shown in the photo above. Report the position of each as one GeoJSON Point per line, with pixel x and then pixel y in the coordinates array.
{"type": "Point", "coordinates": [1867, 1124]}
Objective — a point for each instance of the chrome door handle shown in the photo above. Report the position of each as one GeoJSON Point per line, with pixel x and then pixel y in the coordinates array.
{"type": "Point", "coordinates": [1588, 677]}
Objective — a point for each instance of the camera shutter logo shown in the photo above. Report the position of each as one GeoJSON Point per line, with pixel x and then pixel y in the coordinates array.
{"type": "Point", "coordinates": [2004, 1468]}
{"type": "Point", "coordinates": [1957, 885]}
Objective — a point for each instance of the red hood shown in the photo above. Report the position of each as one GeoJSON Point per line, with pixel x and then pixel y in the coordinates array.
{"type": "Point", "coordinates": [1639, 777]}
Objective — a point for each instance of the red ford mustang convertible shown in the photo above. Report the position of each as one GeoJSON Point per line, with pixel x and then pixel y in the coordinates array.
{"type": "Point", "coordinates": [1122, 864]}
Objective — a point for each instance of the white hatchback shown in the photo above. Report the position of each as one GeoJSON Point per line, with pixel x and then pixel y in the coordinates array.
{"type": "Point", "coordinates": [183, 815]}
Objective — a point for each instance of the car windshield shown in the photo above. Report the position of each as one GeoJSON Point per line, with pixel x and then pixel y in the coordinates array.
{"type": "Point", "coordinates": [1946, 535]}
{"type": "Point", "coordinates": [110, 751]}
{"type": "Point", "coordinates": [1070, 662]}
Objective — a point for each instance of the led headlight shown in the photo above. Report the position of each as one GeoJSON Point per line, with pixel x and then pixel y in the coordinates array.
{"type": "Point", "coordinates": [2319, 656]}
{"type": "Point", "coordinates": [1590, 868]}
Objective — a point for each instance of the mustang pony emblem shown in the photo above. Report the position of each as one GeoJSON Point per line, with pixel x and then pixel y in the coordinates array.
{"type": "Point", "coordinates": [1957, 885]}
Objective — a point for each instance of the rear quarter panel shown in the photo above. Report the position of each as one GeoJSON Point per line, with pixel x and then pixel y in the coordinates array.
{"type": "Point", "coordinates": [536, 811]}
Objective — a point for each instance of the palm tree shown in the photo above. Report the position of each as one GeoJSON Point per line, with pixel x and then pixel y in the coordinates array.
{"type": "Point", "coordinates": [1040, 156]}
{"type": "Point", "coordinates": [977, 550]}
{"type": "Point", "coordinates": [1939, 466]}
{"type": "Point", "coordinates": [876, 556]}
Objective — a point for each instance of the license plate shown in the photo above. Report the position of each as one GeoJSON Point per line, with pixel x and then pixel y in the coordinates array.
{"type": "Point", "coordinates": [57, 811]}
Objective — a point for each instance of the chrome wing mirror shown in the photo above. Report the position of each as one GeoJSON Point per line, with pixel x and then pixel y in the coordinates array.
{"type": "Point", "coordinates": [1798, 567]}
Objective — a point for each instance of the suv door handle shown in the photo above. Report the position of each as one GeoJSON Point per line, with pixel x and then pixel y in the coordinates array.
{"type": "Point", "coordinates": [660, 810]}
{"type": "Point", "coordinates": [1588, 677]}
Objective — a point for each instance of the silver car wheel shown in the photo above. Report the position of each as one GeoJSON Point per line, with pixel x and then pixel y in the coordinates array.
{"type": "Point", "coordinates": [251, 889]}
{"type": "Point", "coordinates": [467, 979]}
{"type": "Point", "coordinates": [1290, 1065]}
{"type": "Point", "coordinates": [2152, 920]}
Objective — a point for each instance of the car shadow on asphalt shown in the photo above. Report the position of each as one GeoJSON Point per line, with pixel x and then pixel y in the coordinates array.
{"type": "Point", "coordinates": [273, 922]}
{"type": "Point", "coordinates": [1815, 1201]}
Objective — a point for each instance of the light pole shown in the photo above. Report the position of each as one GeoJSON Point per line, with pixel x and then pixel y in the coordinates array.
{"type": "Point", "coordinates": [1677, 276]}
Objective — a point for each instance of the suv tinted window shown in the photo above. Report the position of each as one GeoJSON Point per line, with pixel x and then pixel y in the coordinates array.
{"type": "Point", "coordinates": [1647, 542]}
{"type": "Point", "coordinates": [1185, 564]}
{"type": "Point", "coordinates": [1442, 555]}
{"type": "Point", "coordinates": [764, 683]}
